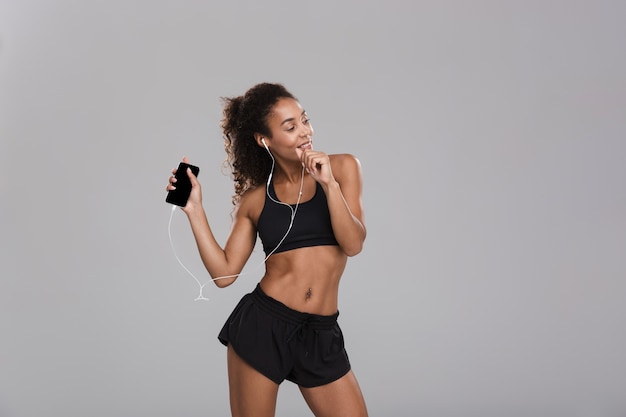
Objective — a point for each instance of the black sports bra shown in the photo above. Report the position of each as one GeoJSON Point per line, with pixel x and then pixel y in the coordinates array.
{"type": "Point", "coordinates": [311, 226]}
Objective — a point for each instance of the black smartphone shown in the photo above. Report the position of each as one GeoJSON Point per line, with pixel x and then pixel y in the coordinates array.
{"type": "Point", "coordinates": [180, 195]}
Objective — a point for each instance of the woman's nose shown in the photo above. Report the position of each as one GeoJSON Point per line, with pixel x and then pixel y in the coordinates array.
{"type": "Point", "coordinates": [306, 130]}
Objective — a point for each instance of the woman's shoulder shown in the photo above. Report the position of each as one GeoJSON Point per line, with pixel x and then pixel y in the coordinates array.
{"type": "Point", "coordinates": [252, 201]}
{"type": "Point", "coordinates": [343, 157]}
{"type": "Point", "coordinates": [345, 162]}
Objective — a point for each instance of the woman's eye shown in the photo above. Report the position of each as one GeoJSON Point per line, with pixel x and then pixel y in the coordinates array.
{"type": "Point", "coordinates": [306, 121]}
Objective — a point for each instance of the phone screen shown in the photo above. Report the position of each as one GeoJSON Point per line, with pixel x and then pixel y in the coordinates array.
{"type": "Point", "coordinates": [180, 195]}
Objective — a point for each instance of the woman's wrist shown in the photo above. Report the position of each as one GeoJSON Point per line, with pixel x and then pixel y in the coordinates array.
{"type": "Point", "coordinates": [333, 185]}
{"type": "Point", "coordinates": [193, 210]}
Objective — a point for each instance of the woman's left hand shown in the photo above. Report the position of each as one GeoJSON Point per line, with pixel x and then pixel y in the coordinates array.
{"type": "Point", "coordinates": [317, 164]}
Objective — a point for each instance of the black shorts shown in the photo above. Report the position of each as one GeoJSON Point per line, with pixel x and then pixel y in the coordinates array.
{"type": "Point", "coordinates": [282, 343]}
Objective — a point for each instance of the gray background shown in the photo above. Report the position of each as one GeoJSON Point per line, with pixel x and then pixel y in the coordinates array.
{"type": "Point", "coordinates": [492, 138]}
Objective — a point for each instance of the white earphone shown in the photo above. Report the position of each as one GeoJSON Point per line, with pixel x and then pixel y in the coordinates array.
{"type": "Point", "coordinates": [264, 144]}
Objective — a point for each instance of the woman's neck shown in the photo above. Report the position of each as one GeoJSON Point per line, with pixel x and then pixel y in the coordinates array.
{"type": "Point", "coordinates": [291, 173]}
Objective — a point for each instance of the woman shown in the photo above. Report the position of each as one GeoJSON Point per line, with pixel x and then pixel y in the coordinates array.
{"type": "Point", "coordinates": [306, 208]}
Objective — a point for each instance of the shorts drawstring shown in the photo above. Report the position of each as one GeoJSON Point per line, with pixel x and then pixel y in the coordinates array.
{"type": "Point", "coordinates": [303, 325]}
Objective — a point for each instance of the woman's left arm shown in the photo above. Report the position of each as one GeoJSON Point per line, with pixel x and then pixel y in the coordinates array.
{"type": "Point", "coordinates": [342, 181]}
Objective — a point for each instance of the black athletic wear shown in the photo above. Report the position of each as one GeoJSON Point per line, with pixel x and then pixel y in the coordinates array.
{"type": "Point", "coordinates": [282, 343]}
{"type": "Point", "coordinates": [311, 226]}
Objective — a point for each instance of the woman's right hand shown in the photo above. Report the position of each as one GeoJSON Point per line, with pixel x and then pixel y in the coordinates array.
{"type": "Point", "coordinates": [195, 198]}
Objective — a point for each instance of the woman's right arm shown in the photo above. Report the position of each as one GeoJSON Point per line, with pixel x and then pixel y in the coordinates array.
{"type": "Point", "coordinates": [225, 264]}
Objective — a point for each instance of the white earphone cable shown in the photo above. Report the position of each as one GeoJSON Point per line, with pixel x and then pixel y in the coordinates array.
{"type": "Point", "coordinates": [294, 210]}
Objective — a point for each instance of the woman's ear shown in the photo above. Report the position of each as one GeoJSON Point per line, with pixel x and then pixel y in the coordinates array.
{"type": "Point", "coordinates": [261, 140]}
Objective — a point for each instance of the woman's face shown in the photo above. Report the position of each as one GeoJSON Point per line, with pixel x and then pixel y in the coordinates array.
{"type": "Point", "coordinates": [290, 127]}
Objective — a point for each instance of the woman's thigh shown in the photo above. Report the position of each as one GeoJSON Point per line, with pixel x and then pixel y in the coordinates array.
{"type": "Point", "coordinates": [342, 397]}
{"type": "Point", "coordinates": [251, 393]}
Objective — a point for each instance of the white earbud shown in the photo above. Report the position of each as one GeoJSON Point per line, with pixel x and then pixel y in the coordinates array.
{"type": "Point", "coordinates": [264, 144]}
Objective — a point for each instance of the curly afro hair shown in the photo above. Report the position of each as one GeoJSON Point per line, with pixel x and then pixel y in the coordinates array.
{"type": "Point", "coordinates": [243, 116]}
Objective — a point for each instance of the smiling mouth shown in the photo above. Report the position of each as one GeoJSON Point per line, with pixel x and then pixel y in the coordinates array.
{"type": "Point", "coordinates": [306, 145]}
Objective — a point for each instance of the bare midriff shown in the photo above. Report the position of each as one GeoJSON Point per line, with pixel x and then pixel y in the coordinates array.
{"type": "Point", "coordinates": [306, 279]}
